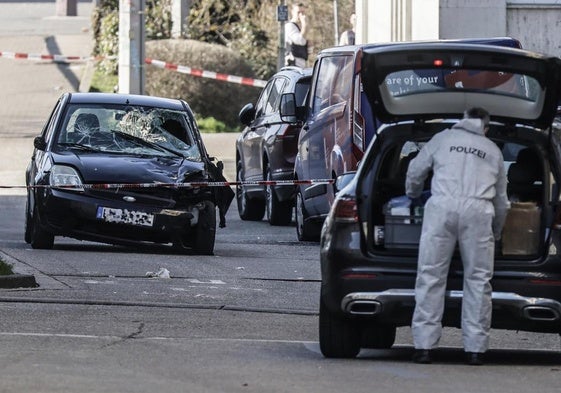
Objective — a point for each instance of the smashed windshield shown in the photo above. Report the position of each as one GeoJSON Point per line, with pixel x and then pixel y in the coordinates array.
{"type": "Point", "coordinates": [133, 130]}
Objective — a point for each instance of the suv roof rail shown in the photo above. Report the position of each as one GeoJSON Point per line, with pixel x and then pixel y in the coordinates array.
{"type": "Point", "coordinates": [291, 68]}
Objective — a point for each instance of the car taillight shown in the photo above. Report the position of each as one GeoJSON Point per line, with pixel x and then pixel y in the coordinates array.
{"type": "Point", "coordinates": [345, 210]}
{"type": "Point", "coordinates": [289, 131]}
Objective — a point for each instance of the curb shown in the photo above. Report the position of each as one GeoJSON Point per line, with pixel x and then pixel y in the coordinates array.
{"type": "Point", "coordinates": [12, 281]}
{"type": "Point", "coordinates": [16, 280]}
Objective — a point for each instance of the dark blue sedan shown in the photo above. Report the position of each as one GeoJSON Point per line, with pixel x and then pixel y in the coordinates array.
{"type": "Point", "coordinates": [119, 169]}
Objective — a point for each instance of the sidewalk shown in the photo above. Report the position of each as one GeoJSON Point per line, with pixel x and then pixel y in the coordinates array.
{"type": "Point", "coordinates": [30, 88]}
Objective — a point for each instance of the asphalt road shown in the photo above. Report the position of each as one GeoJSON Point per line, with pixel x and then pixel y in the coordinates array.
{"type": "Point", "coordinates": [243, 320]}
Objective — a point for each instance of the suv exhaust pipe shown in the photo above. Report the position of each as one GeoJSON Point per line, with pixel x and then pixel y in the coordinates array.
{"type": "Point", "coordinates": [540, 313]}
{"type": "Point", "coordinates": [363, 307]}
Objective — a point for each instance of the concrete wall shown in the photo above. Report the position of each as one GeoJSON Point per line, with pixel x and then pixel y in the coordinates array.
{"type": "Point", "coordinates": [472, 18]}
{"type": "Point", "coordinates": [538, 27]}
{"type": "Point", "coordinates": [536, 23]}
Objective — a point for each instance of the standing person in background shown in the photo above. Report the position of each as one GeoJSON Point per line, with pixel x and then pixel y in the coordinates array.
{"type": "Point", "coordinates": [348, 36]}
{"type": "Point", "coordinates": [294, 33]}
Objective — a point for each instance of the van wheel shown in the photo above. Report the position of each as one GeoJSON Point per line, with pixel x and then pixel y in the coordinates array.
{"type": "Point", "coordinates": [378, 336]}
{"type": "Point", "coordinates": [338, 338]}
{"type": "Point", "coordinates": [303, 230]}
{"type": "Point", "coordinates": [205, 232]}
{"type": "Point", "coordinates": [248, 209]}
{"type": "Point", "coordinates": [278, 213]}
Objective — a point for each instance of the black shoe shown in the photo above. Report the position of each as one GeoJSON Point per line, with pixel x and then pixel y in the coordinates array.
{"type": "Point", "coordinates": [474, 358]}
{"type": "Point", "coordinates": [422, 356]}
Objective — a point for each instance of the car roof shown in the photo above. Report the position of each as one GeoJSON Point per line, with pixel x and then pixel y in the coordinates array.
{"type": "Point", "coordinates": [496, 41]}
{"type": "Point", "coordinates": [125, 99]}
{"type": "Point", "coordinates": [304, 72]}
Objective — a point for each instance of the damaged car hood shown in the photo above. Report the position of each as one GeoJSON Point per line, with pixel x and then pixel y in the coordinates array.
{"type": "Point", "coordinates": [104, 168]}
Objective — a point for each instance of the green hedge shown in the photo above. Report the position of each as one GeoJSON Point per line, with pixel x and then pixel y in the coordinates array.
{"type": "Point", "coordinates": [208, 98]}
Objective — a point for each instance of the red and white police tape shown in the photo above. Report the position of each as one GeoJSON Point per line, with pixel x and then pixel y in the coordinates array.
{"type": "Point", "coordinates": [183, 185]}
{"type": "Point", "coordinates": [207, 74]}
{"type": "Point", "coordinates": [39, 57]}
{"type": "Point", "coordinates": [157, 63]}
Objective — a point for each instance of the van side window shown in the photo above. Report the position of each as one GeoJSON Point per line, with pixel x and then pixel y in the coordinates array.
{"type": "Point", "coordinates": [333, 82]}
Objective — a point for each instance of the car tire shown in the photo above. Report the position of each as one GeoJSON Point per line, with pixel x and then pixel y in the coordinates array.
{"type": "Point", "coordinates": [338, 337]}
{"type": "Point", "coordinates": [248, 209]}
{"type": "Point", "coordinates": [28, 223]}
{"type": "Point", "coordinates": [38, 237]}
{"type": "Point", "coordinates": [278, 213]}
{"type": "Point", "coordinates": [378, 336]}
{"type": "Point", "coordinates": [205, 232]}
{"type": "Point", "coordinates": [303, 230]}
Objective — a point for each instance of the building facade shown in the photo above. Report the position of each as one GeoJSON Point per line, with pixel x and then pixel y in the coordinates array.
{"type": "Point", "coordinates": [535, 23]}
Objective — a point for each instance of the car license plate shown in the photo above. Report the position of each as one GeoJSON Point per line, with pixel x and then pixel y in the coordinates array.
{"type": "Point", "coordinates": [125, 216]}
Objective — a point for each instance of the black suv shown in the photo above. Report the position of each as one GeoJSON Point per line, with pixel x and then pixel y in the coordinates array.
{"type": "Point", "coordinates": [266, 149]}
{"type": "Point", "coordinates": [369, 242]}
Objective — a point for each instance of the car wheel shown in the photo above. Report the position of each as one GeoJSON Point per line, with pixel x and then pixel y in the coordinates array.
{"type": "Point", "coordinates": [338, 338]}
{"type": "Point", "coordinates": [205, 232]}
{"type": "Point", "coordinates": [38, 237]}
{"type": "Point", "coordinates": [303, 230]}
{"type": "Point", "coordinates": [28, 223]}
{"type": "Point", "coordinates": [378, 336]}
{"type": "Point", "coordinates": [278, 213]}
{"type": "Point", "coordinates": [248, 209]}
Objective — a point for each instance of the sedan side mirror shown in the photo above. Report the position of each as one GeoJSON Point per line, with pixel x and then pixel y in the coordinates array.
{"type": "Point", "coordinates": [39, 143]}
{"type": "Point", "coordinates": [247, 114]}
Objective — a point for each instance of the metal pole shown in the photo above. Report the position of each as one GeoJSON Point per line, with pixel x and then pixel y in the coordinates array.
{"type": "Point", "coordinates": [336, 22]}
{"type": "Point", "coordinates": [131, 46]}
{"type": "Point", "coordinates": [282, 17]}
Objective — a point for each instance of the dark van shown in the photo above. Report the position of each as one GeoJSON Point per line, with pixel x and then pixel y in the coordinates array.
{"type": "Point", "coordinates": [338, 126]}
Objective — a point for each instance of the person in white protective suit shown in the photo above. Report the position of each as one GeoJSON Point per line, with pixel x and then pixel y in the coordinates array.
{"type": "Point", "coordinates": [468, 205]}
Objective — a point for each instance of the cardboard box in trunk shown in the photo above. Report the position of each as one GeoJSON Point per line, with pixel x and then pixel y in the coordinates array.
{"type": "Point", "coordinates": [521, 232]}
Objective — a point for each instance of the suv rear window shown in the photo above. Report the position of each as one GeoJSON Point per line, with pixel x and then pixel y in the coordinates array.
{"type": "Point", "coordinates": [406, 82]}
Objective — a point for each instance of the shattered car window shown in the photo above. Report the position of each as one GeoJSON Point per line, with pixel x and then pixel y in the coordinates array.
{"type": "Point", "coordinates": [130, 130]}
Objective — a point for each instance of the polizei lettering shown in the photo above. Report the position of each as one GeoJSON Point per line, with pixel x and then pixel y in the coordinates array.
{"type": "Point", "coordinates": [468, 150]}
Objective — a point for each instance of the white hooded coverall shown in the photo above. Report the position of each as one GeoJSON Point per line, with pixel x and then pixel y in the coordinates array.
{"type": "Point", "coordinates": [468, 205]}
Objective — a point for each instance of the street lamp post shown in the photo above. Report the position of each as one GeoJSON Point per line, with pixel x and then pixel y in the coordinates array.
{"type": "Point", "coordinates": [131, 46]}
{"type": "Point", "coordinates": [282, 17]}
{"type": "Point", "coordinates": [336, 22]}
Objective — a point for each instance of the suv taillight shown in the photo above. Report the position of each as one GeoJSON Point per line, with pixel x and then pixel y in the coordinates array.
{"type": "Point", "coordinates": [345, 210]}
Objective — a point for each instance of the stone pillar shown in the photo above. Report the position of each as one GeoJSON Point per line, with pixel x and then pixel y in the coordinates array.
{"type": "Point", "coordinates": [179, 13]}
{"type": "Point", "coordinates": [66, 8]}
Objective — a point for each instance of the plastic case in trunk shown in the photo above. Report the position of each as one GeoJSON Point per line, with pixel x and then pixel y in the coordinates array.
{"type": "Point", "coordinates": [402, 231]}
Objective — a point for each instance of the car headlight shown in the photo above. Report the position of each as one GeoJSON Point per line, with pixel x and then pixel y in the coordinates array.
{"type": "Point", "coordinates": [65, 176]}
